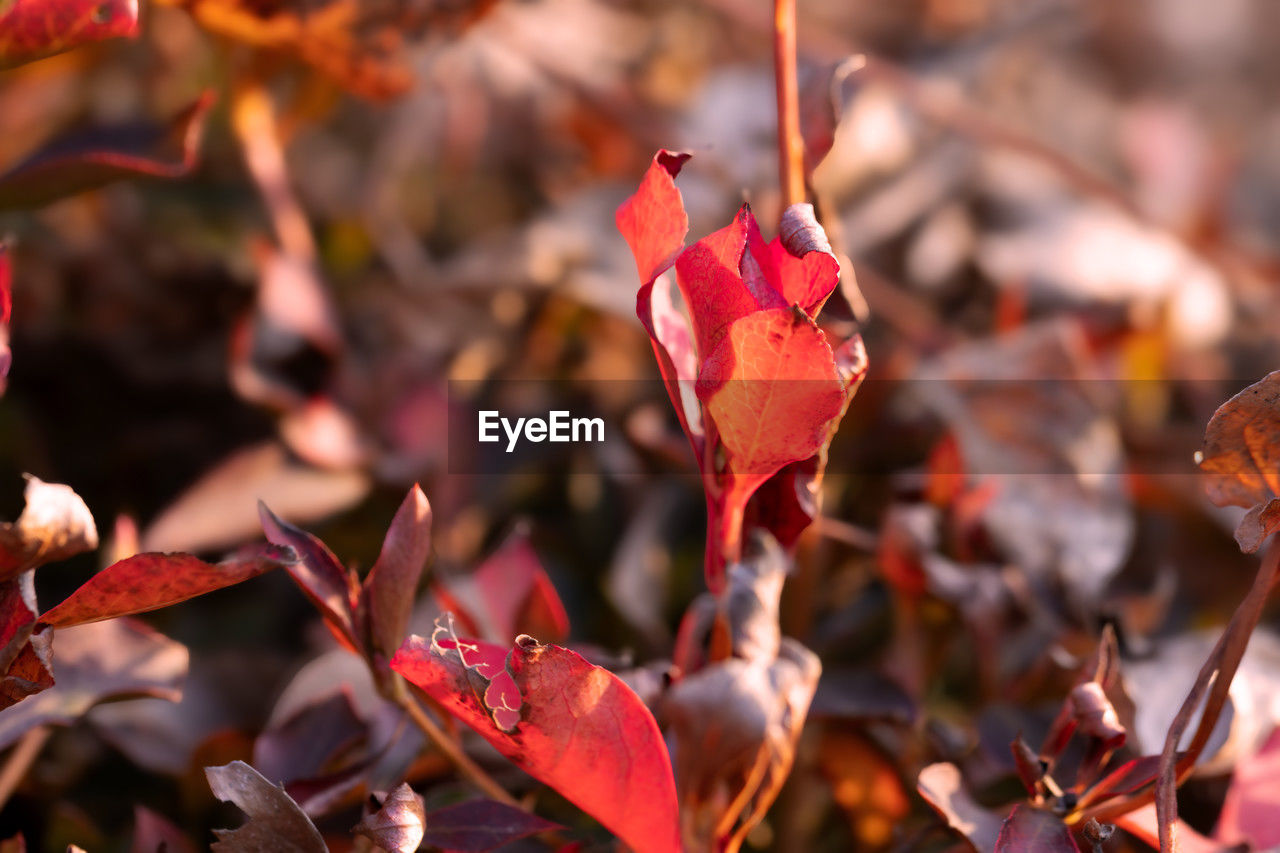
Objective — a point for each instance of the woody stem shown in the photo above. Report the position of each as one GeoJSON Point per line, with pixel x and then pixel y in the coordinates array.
{"type": "Point", "coordinates": [790, 142]}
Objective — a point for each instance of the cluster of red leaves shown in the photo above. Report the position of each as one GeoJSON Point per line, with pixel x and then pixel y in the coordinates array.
{"type": "Point", "coordinates": [758, 387]}
{"type": "Point", "coordinates": [566, 722]}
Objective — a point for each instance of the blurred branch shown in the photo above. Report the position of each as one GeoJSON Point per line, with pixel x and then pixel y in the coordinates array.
{"type": "Point", "coordinates": [448, 746]}
{"type": "Point", "coordinates": [1215, 677]}
{"type": "Point", "coordinates": [254, 120]}
{"type": "Point", "coordinates": [20, 760]}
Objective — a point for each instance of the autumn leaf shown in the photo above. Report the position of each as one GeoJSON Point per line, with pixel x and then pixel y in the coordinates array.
{"type": "Point", "coordinates": [1241, 454]}
{"type": "Point", "coordinates": [508, 594]}
{"type": "Point", "coordinates": [768, 387]}
{"type": "Point", "coordinates": [33, 29]}
{"type": "Point", "coordinates": [275, 821]}
{"type": "Point", "coordinates": [330, 587]}
{"type": "Point", "coordinates": [478, 826]}
{"type": "Point", "coordinates": [1031, 830]}
{"type": "Point", "coordinates": [26, 652]}
{"type": "Point", "coordinates": [150, 581]}
{"type": "Point", "coordinates": [772, 389]}
{"type": "Point", "coordinates": [54, 525]}
{"type": "Point", "coordinates": [398, 825]}
{"type": "Point", "coordinates": [391, 586]}
{"type": "Point", "coordinates": [943, 789]}
{"type": "Point", "coordinates": [1251, 811]}
{"type": "Point", "coordinates": [98, 156]}
{"type": "Point", "coordinates": [108, 660]}
{"type": "Point", "coordinates": [572, 725]}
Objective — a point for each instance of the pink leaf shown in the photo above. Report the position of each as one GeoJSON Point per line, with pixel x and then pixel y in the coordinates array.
{"type": "Point", "coordinates": [509, 594]}
{"type": "Point", "coordinates": [1251, 811]}
{"type": "Point", "coordinates": [579, 728]}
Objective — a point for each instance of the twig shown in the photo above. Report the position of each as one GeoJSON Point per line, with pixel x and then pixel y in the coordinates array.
{"type": "Point", "coordinates": [253, 117]}
{"type": "Point", "coordinates": [790, 142]}
{"type": "Point", "coordinates": [449, 747]}
{"type": "Point", "coordinates": [19, 761]}
{"type": "Point", "coordinates": [1215, 678]}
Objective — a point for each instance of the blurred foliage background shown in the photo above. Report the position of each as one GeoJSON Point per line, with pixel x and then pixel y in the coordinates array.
{"type": "Point", "coordinates": [394, 195]}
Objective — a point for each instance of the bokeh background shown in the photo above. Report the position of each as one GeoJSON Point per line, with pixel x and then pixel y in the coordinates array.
{"type": "Point", "coordinates": [1085, 194]}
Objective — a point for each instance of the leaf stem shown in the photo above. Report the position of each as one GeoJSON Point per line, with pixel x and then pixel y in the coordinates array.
{"type": "Point", "coordinates": [449, 746]}
{"type": "Point", "coordinates": [1215, 677]}
{"type": "Point", "coordinates": [790, 142]}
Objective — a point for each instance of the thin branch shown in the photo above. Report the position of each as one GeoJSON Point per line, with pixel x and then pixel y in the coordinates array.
{"type": "Point", "coordinates": [254, 119]}
{"type": "Point", "coordinates": [1215, 678]}
{"type": "Point", "coordinates": [20, 760]}
{"type": "Point", "coordinates": [790, 142]}
{"type": "Point", "coordinates": [449, 746]}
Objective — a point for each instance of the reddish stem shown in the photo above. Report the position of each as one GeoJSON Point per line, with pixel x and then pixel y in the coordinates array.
{"type": "Point", "coordinates": [790, 142]}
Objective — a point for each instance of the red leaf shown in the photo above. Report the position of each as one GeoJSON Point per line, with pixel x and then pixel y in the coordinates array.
{"type": "Point", "coordinates": [31, 671]}
{"type": "Point", "coordinates": [710, 276]}
{"type": "Point", "coordinates": [1032, 830]}
{"type": "Point", "coordinates": [509, 594]}
{"type": "Point", "coordinates": [32, 29]}
{"type": "Point", "coordinates": [150, 581]}
{"type": "Point", "coordinates": [25, 654]}
{"type": "Point", "coordinates": [580, 729]}
{"type": "Point", "coordinates": [478, 826]}
{"type": "Point", "coordinates": [83, 162]}
{"type": "Point", "coordinates": [798, 263]}
{"type": "Point", "coordinates": [653, 221]}
{"type": "Point", "coordinates": [110, 660]}
{"type": "Point", "coordinates": [392, 584]}
{"type": "Point", "coordinates": [772, 389]}
{"type": "Point", "coordinates": [1125, 779]}
{"type": "Point", "coordinates": [330, 587]}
